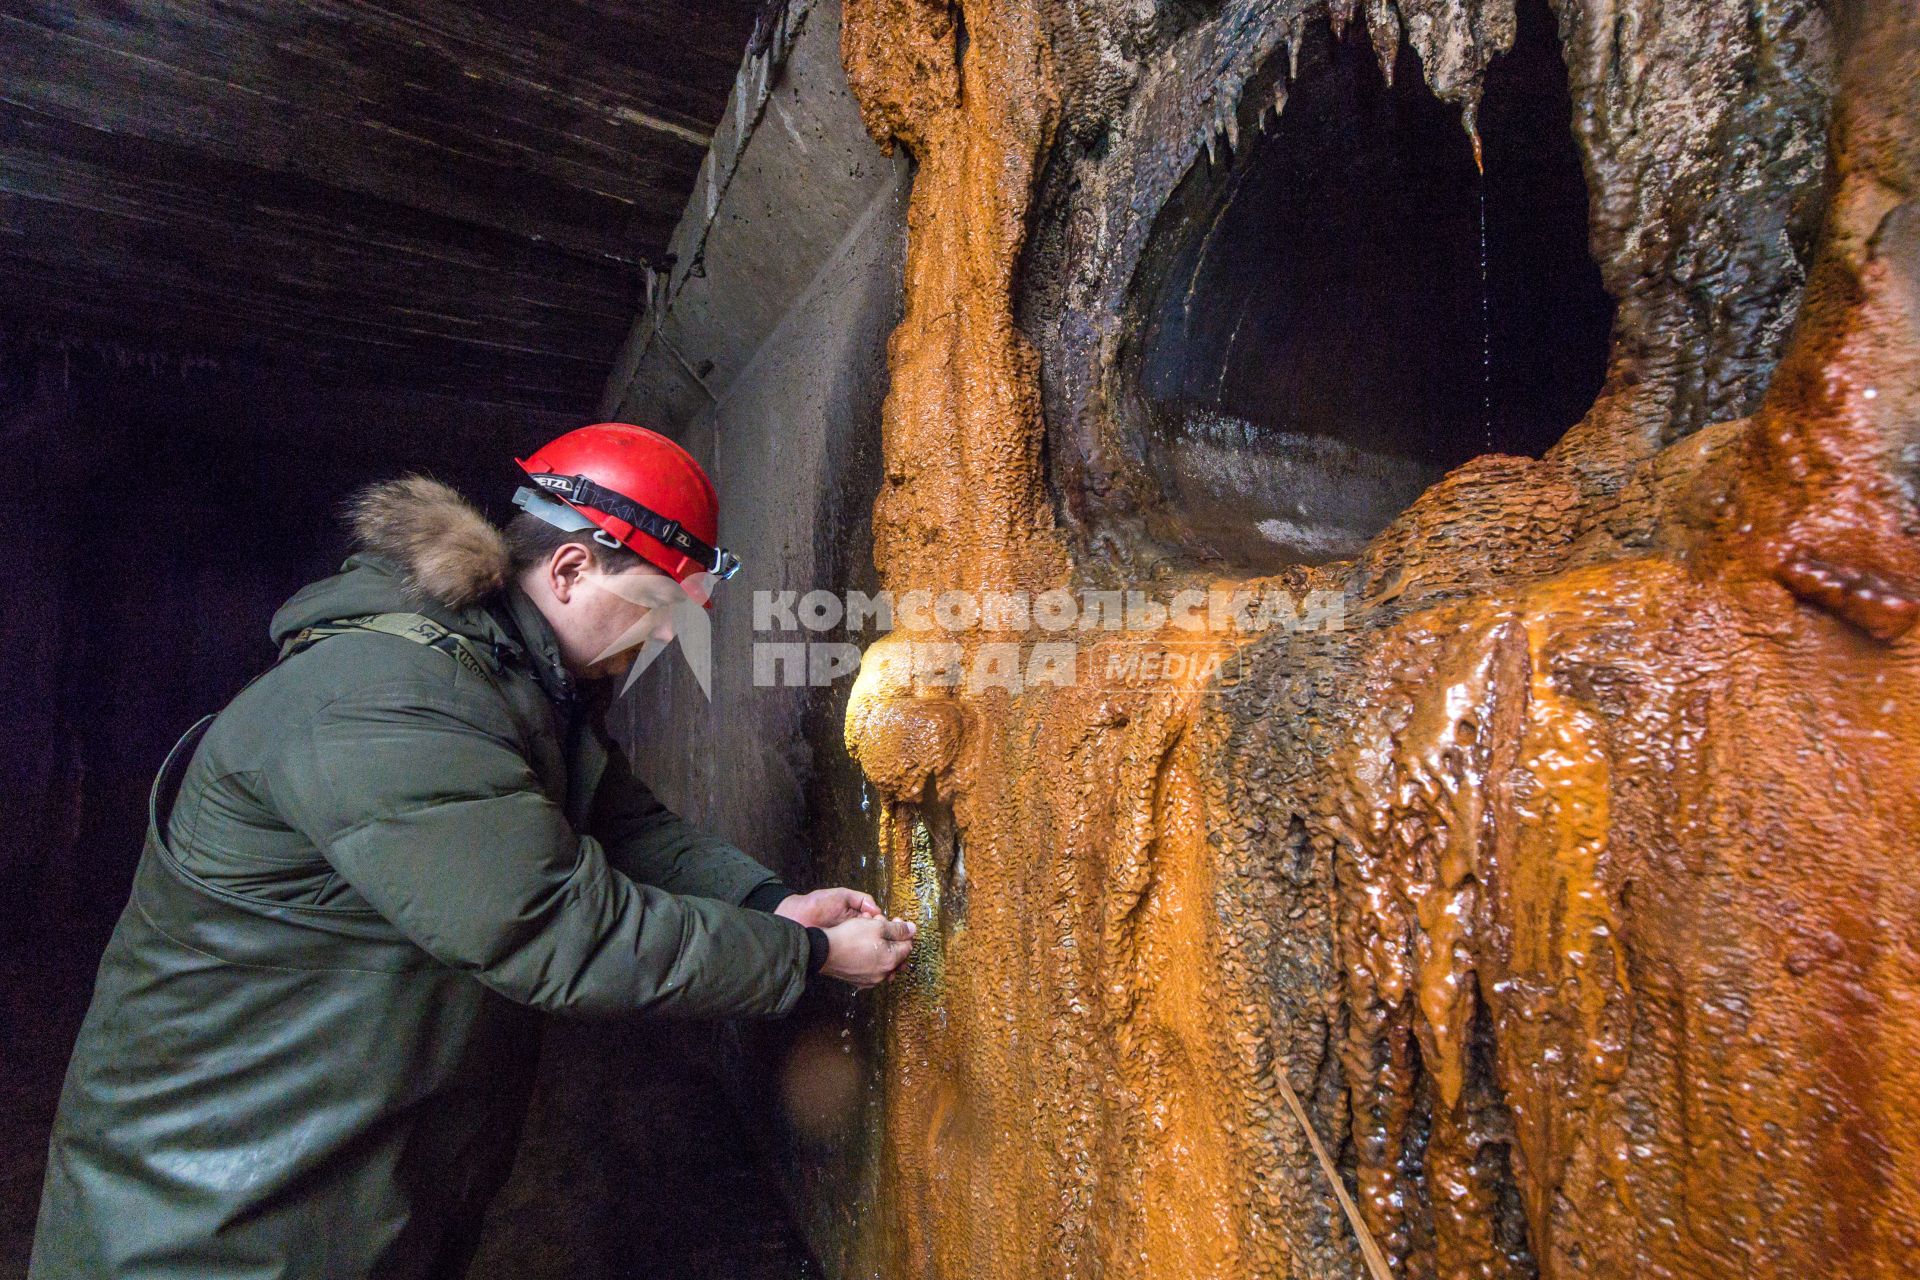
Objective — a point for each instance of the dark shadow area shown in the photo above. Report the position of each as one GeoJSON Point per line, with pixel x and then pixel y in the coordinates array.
{"type": "Point", "coordinates": [1315, 342]}
{"type": "Point", "coordinates": [161, 508]}
{"type": "Point", "coordinates": [637, 1162]}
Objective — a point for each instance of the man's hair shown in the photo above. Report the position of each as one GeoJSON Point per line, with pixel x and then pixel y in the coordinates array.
{"type": "Point", "coordinates": [530, 540]}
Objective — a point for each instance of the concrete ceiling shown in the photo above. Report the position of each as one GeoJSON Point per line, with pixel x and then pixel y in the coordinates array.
{"type": "Point", "coordinates": [456, 198]}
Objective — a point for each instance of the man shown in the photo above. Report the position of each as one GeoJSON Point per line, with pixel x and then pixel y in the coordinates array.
{"type": "Point", "coordinates": [307, 1052]}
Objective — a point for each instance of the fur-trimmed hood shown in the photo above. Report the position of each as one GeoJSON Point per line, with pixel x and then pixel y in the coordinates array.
{"type": "Point", "coordinates": [418, 546]}
{"type": "Point", "coordinates": [448, 552]}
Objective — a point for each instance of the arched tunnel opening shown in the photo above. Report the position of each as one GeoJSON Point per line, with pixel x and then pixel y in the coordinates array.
{"type": "Point", "coordinates": [1325, 323]}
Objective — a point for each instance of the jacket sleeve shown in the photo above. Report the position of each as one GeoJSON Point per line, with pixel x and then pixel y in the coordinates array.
{"type": "Point", "coordinates": [656, 846]}
{"type": "Point", "coordinates": [434, 815]}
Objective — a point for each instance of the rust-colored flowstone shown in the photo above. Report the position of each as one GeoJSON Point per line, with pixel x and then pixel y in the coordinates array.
{"type": "Point", "coordinates": [1623, 913]}
{"type": "Point", "coordinates": [1066, 1068]}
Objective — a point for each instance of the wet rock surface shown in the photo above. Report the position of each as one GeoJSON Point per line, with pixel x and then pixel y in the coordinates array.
{"type": "Point", "coordinates": [1566, 884]}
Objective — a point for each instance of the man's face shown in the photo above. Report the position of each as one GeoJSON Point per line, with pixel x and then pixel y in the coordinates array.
{"type": "Point", "coordinates": [606, 617]}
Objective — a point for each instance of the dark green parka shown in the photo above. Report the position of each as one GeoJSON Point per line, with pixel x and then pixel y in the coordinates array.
{"type": "Point", "coordinates": [306, 1055]}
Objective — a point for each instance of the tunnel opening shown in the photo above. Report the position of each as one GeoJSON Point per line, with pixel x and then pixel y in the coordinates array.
{"type": "Point", "coordinates": [1346, 308]}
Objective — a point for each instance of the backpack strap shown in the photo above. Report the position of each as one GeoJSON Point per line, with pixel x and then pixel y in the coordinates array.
{"type": "Point", "coordinates": [408, 626]}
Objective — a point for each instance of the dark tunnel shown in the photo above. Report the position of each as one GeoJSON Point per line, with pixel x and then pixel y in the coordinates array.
{"type": "Point", "coordinates": [1317, 340]}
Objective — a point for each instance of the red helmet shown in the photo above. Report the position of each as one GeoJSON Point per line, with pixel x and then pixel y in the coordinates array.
{"type": "Point", "coordinates": [638, 490]}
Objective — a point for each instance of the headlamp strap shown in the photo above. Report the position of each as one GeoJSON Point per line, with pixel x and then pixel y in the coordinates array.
{"type": "Point", "coordinates": [720, 563]}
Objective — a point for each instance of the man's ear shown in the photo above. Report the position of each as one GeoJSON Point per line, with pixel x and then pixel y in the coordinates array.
{"type": "Point", "coordinates": [568, 564]}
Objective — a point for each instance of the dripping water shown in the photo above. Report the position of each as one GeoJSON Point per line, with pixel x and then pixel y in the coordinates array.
{"type": "Point", "coordinates": [1486, 303]}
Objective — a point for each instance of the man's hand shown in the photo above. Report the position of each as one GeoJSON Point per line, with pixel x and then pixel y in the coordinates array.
{"type": "Point", "coordinates": [826, 908]}
{"type": "Point", "coordinates": [866, 950]}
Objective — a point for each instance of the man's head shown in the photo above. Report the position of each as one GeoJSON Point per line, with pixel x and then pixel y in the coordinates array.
{"type": "Point", "coordinates": [639, 489]}
{"type": "Point", "coordinates": [602, 602]}
{"type": "Point", "coordinates": [617, 529]}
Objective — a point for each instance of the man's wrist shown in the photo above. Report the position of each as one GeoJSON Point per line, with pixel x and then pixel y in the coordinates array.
{"type": "Point", "coordinates": [767, 896]}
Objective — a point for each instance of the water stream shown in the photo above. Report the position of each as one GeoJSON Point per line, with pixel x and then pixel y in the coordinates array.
{"type": "Point", "coordinates": [1486, 312]}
